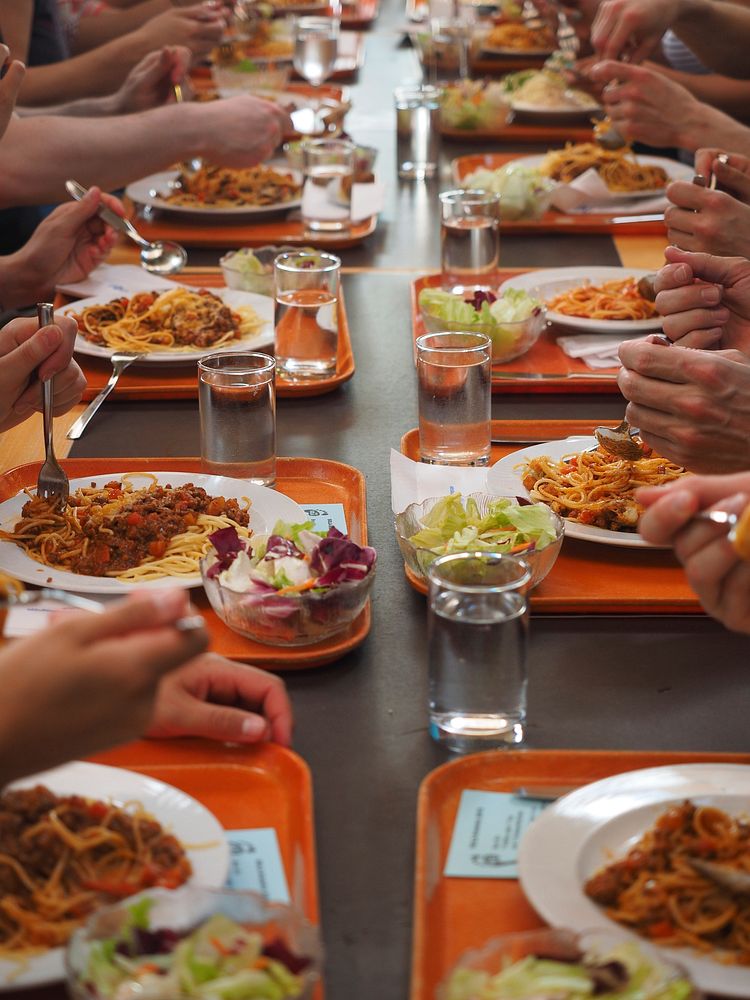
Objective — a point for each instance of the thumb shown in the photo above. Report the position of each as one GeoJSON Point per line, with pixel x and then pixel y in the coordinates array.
{"type": "Point", "coordinates": [736, 181]}
{"type": "Point", "coordinates": [220, 722]}
{"type": "Point", "coordinates": [32, 353]}
{"type": "Point", "coordinates": [704, 265]}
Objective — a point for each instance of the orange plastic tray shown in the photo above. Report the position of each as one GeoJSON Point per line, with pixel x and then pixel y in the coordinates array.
{"type": "Point", "coordinates": [359, 15]}
{"type": "Point", "coordinates": [559, 222]}
{"type": "Point", "coordinates": [452, 915]}
{"type": "Point", "coordinates": [589, 578]}
{"type": "Point", "coordinates": [518, 132]}
{"type": "Point", "coordinates": [487, 64]}
{"type": "Point", "coordinates": [544, 358]}
{"type": "Point", "coordinates": [309, 481]}
{"type": "Point", "coordinates": [181, 381]}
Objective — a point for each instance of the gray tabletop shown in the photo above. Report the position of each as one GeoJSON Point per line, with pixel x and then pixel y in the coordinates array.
{"type": "Point", "coordinates": [641, 683]}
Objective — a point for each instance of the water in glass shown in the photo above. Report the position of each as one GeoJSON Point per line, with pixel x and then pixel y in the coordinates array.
{"type": "Point", "coordinates": [417, 134]}
{"type": "Point", "coordinates": [314, 54]}
{"type": "Point", "coordinates": [469, 252]}
{"type": "Point", "coordinates": [238, 429]}
{"type": "Point", "coordinates": [454, 411]}
{"type": "Point", "coordinates": [306, 340]}
{"type": "Point", "coordinates": [336, 179]}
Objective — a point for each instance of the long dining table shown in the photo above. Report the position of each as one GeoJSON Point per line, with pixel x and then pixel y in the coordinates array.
{"type": "Point", "coordinates": [596, 681]}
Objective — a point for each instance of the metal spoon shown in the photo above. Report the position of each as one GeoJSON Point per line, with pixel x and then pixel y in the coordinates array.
{"type": "Point", "coordinates": [163, 257]}
{"type": "Point", "coordinates": [619, 441]}
{"type": "Point", "coordinates": [728, 878]}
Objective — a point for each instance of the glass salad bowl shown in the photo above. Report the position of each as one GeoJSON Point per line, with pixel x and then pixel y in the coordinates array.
{"type": "Point", "coordinates": [250, 269]}
{"type": "Point", "coordinates": [418, 557]}
{"type": "Point", "coordinates": [268, 949]}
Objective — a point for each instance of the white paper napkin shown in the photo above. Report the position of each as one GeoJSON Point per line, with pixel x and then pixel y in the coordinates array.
{"type": "Point", "coordinates": [588, 193]}
{"type": "Point", "coordinates": [320, 202]}
{"type": "Point", "coordinates": [596, 351]}
{"type": "Point", "coordinates": [111, 280]}
{"type": "Point", "coordinates": [412, 482]}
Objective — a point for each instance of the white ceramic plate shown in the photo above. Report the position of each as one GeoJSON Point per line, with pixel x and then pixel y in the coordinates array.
{"type": "Point", "coordinates": [497, 51]}
{"type": "Point", "coordinates": [267, 507]}
{"type": "Point", "coordinates": [547, 112]}
{"type": "Point", "coordinates": [550, 282]}
{"type": "Point", "coordinates": [587, 829]}
{"type": "Point", "coordinates": [177, 812]}
{"type": "Point", "coordinates": [675, 171]}
{"type": "Point", "coordinates": [151, 191]}
{"type": "Point", "coordinates": [262, 304]}
{"type": "Point", "coordinates": [505, 480]}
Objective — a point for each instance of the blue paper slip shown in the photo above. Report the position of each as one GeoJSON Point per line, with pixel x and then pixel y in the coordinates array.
{"type": "Point", "coordinates": [486, 834]}
{"type": "Point", "coordinates": [326, 515]}
{"type": "Point", "coordinates": [255, 863]}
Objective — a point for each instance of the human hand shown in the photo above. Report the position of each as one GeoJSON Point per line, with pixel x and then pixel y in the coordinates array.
{"type": "Point", "coordinates": [9, 86]}
{"type": "Point", "coordinates": [732, 171]}
{"type": "Point", "coordinates": [199, 28]}
{"type": "Point", "coordinates": [711, 221]}
{"type": "Point", "coordinates": [220, 700]}
{"type": "Point", "coordinates": [631, 28]}
{"type": "Point", "coordinates": [635, 98]}
{"type": "Point", "coordinates": [239, 131]}
{"type": "Point", "coordinates": [705, 300]}
{"type": "Point", "coordinates": [692, 406]}
{"type": "Point", "coordinates": [65, 247]}
{"type": "Point", "coordinates": [717, 574]}
{"type": "Point", "coordinates": [89, 680]}
{"type": "Point", "coordinates": [152, 81]}
{"type": "Point", "coordinates": [30, 355]}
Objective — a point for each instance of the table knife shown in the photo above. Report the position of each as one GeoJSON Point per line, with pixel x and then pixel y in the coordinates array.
{"type": "Point", "coordinates": [553, 376]}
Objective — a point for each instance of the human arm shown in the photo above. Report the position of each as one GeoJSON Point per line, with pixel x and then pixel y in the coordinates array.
{"type": "Point", "coordinates": [635, 98]}
{"type": "Point", "coordinates": [220, 700]}
{"type": "Point", "coordinates": [97, 29]}
{"type": "Point", "coordinates": [89, 681]}
{"type": "Point", "coordinates": [41, 152]}
{"type": "Point", "coordinates": [726, 93]}
{"type": "Point", "coordinates": [30, 355]}
{"type": "Point", "coordinates": [10, 85]}
{"type": "Point", "coordinates": [717, 574]}
{"type": "Point", "coordinates": [15, 26]}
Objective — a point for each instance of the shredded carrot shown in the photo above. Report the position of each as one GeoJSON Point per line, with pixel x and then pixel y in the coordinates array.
{"type": "Point", "coordinates": [222, 949]}
{"type": "Point", "coordinates": [297, 588]}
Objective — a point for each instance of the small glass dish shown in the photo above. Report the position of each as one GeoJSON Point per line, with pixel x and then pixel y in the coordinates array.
{"type": "Point", "coordinates": [285, 931]}
{"type": "Point", "coordinates": [409, 522]}
{"type": "Point", "coordinates": [238, 275]}
{"type": "Point", "coordinates": [509, 340]}
{"type": "Point", "coordinates": [288, 620]}
{"type": "Point", "coordinates": [479, 967]}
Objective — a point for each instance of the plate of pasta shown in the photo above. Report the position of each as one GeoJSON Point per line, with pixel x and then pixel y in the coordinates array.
{"type": "Point", "coordinates": [592, 299]}
{"type": "Point", "coordinates": [628, 841]}
{"type": "Point", "coordinates": [173, 326]}
{"type": "Point", "coordinates": [121, 532]}
{"type": "Point", "coordinates": [268, 188]}
{"type": "Point", "coordinates": [589, 488]}
{"type": "Point", "coordinates": [143, 831]}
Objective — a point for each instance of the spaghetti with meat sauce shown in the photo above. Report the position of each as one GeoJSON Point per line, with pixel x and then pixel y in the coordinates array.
{"type": "Point", "coordinates": [62, 857]}
{"type": "Point", "coordinates": [132, 534]}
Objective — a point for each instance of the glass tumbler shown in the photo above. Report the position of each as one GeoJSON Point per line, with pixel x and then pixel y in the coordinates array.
{"type": "Point", "coordinates": [306, 314]}
{"type": "Point", "coordinates": [327, 195]}
{"type": "Point", "coordinates": [477, 639]}
{"type": "Point", "coordinates": [237, 400]}
{"type": "Point", "coordinates": [469, 239]}
{"type": "Point", "coordinates": [454, 383]}
{"type": "Point", "coordinates": [417, 138]}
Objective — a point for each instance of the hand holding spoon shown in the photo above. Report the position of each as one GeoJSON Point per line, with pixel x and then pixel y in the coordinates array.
{"type": "Point", "coordinates": [164, 257]}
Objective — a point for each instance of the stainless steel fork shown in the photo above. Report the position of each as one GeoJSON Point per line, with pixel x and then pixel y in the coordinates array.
{"type": "Point", "coordinates": [52, 483]}
{"type": "Point", "coordinates": [120, 361]}
{"type": "Point", "coordinates": [567, 39]}
{"type": "Point", "coordinates": [530, 15]}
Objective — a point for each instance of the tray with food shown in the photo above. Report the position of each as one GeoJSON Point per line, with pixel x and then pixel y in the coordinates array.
{"type": "Point", "coordinates": [232, 318]}
{"type": "Point", "coordinates": [359, 14]}
{"type": "Point", "coordinates": [526, 353]}
{"type": "Point", "coordinates": [600, 542]}
{"type": "Point", "coordinates": [274, 44]}
{"type": "Point", "coordinates": [635, 206]}
{"type": "Point", "coordinates": [455, 918]}
{"type": "Point", "coordinates": [121, 507]}
{"type": "Point", "coordinates": [160, 812]}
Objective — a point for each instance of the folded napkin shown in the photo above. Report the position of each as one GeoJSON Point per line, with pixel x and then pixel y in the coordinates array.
{"type": "Point", "coordinates": [110, 280]}
{"type": "Point", "coordinates": [589, 194]}
{"type": "Point", "coordinates": [322, 202]}
{"type": "Point", "coordinates": [412, 482]}
{"type": "Point", "coordinates": [596, 351]}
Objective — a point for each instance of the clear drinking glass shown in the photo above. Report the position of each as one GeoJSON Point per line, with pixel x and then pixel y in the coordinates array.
{"type": "Point", "coordinates": [469, 239]}
{"type": "Point", "coordinates": [237, 399]}
{"type": "Point", "coordinates": [417, 137]}
{"type": "Point", "coordinates": [306, 314]}
{"type": "Point", "coordinates": [327, 196]}
{"type": "Point", "coordinates": [477, 639]}
{"type": "Point", "coordinates": [454, 380]}
{"type": "Point", "coordinates": [444, 50]}
{"type": "Point", "coordinates": [316, 41]}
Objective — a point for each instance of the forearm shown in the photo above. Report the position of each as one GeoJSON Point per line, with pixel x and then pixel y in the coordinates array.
{"type": "Point", "coordinates": [723, 92]}
{"type": "Point", "coordinates": [85, 107]}
{"type": "Point", "coordinates": [98, 29]}
{"type": "Point", "coordinates": [718, 33]}
{"type": "Point", "coordinates": [15, 26]}
{"type": "Point", "coordinates": [708, 126]}
{"type": "Point", "coordinates": [19, 283]}
{"type": "Point", "coordinates": [39, 153]}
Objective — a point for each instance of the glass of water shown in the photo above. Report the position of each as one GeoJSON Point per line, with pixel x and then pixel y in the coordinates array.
{"type": "Point", "coordinates": [469, 239]}
{"type": "Point", "coordinates": [316, 41]}
{"type": "Point", "coordinates": [477, 640]}
{"type": "Point", "coordinates": [454, 378]}
{"type": "Point", "coordinates": [306, 314]}
{"type": "Point", "coordinates": [237, 400]}
{"type": "Point", "coordinates": [329, 174]}
{"type": "Point", "coordinates": [417, 109]}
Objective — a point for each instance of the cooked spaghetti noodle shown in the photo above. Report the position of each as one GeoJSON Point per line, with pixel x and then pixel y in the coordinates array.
{"type": "Point", "coordinates": [61, 858]}
{"type": "Point", "coordinates": [515, 35]}
{"type": "Point", "coordinates": [226, 187]}
{"type": "Point", "coordinates": [594, 487]}
{"type": "Point", "coordinates": [134, 535]}
{"type": "Point", "coordinates": [176, 320]}
{"type": "Point", "coordinates": [615, 300]}
{"type": "Point", "coordinates": [618, 168]}
{"type": "Point", "coordinates": [657, 892]}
